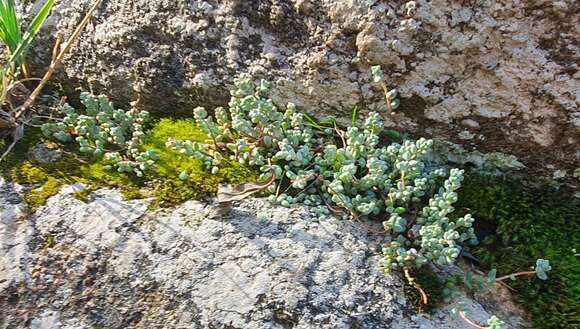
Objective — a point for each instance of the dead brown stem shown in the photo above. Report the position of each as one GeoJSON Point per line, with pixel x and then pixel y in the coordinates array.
{"type": "Point", "coordinates": [388, 101]}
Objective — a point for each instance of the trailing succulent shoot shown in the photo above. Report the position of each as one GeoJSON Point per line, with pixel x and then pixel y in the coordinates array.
{"type": "Point", "coordinates": [492, 323]}
{"type": "Point", "coordinates": [540, 271]}
{"type": "Point", "coordinates": [479, 283]}
{"type": "Point", "coordinates": [391, 98]}
{"type": "Point", "coordinates": [106, 133]}
{"type": "Point", "coordinates": [343, 172]}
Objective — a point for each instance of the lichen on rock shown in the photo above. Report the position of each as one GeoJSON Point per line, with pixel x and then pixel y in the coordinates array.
{"type": "Point", "coordinates": [108, 262]}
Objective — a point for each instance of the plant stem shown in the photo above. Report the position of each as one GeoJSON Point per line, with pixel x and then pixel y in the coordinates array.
{"type": "Point", "coordinates": [466, 319]}
{"type": "Point", "coordinates": [414, 284]}
{"type": "Point", "coordinates": [25, 71]}
{"type": "Point", "coordinates": [280, 183]}
{"type": "Point", "coordinates": [505, 277]}
{"type": "Point", "coordinates": [386, 91]}
{"type": "Point", "coordinates": [341, 135]}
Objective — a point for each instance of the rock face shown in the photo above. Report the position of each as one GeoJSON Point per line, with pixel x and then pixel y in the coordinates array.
{"type": "Point", "coordinates": [110, 263]}
{"type": "Point", "coordinates": [496, 75]}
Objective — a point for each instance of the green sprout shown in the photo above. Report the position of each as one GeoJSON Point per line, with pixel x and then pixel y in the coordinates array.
{"type": "Point", "coordinates": [11, 32]}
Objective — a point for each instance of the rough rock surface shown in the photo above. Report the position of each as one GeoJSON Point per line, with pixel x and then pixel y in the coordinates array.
{"type": "Point", "coordinates": [496, 75]}
{"type": "Point", "coordinates": [110, 263]}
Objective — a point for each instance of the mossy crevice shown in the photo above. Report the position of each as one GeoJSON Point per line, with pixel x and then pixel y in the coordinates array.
{"type": "Point", "coordinates": [169, 189]}
{"type": "Point", "coordinates": [517, 225]}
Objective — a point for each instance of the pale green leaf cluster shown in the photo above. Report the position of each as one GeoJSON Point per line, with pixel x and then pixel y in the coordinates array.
{"type": "Point", "coordinates": [377, 73]}
{"type": "Point", "coordinates": [343, 172]}
{"type": "Point", "coordinates": [391, 96]}
{"type": "Point", "coordinates": [542, 268]}
{"type": "Point", "coordinates": [103, 132]}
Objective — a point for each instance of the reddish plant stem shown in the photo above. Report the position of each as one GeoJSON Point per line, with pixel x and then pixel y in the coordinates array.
{"type": "Point", "coordinates": [412, 282]}
{"type": "Point", "coordinates": [505, 277]}
{"type": "Point", "coordinates": [466, 319]}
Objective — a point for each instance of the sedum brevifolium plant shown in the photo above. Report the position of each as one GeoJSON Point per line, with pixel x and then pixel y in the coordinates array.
{"type": "Point", "coordinates": [542, 268]}
{"type": "Point", "coordinates": [340, 172]}
{"type": "Point", "coordinates": [106, 133]}
{"type": "Point", "coordinates": [391, 96]}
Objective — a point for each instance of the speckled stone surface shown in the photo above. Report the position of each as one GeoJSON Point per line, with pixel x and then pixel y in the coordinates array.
{"type": "Point", "coordinates": [111, 263]}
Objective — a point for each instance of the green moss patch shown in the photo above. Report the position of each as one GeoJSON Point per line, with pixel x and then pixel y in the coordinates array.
{"type": "Point", "coordinates": [169, 189]}
{"type": "Point", "coordinates": [519, 225]}
{"type": "Point", "coordinates": [163, 183]}
{"type": "Point", "coordinates": [38, 197]}
{"type": "Point", "coordinates": [82, 195]}
{"type": "Point", "coordinates": [29, 174]}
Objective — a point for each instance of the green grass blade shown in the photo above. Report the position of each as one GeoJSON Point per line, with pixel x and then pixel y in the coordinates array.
{"type": "Point", "coordinates": [10, 32]}
{"type": "Point", "coordinates": [312, 122]}
{"type": "Point", "coordinates": [20, 51]}
{"type": "Point", "coordinates": [354, 115]}
{"type": "Point", "coordinates": [39, 19]}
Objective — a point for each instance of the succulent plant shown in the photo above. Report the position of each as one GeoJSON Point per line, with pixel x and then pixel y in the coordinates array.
{"type": "Point", "coordinates": [542, 268]}
{"type": "Point", "coordinates": [106, 133]}
{"type": "Point", "coordinates": [343, 172]}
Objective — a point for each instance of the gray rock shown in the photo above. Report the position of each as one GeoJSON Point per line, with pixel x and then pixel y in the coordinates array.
{"type": "Point", "coordinates": [44, 153]}
{"type": "Point", "coordinates": [470, 123]}
{"type": "Point", "coordinates": [15, 235]}
{"type": "Point", "coordinates": [509, 66]}
{"type": "Point", "coordinates": [111, 263]}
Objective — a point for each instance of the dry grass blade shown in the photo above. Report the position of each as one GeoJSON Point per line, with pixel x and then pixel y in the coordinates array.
{"type": "Point", "coordinates": [228, 193]}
